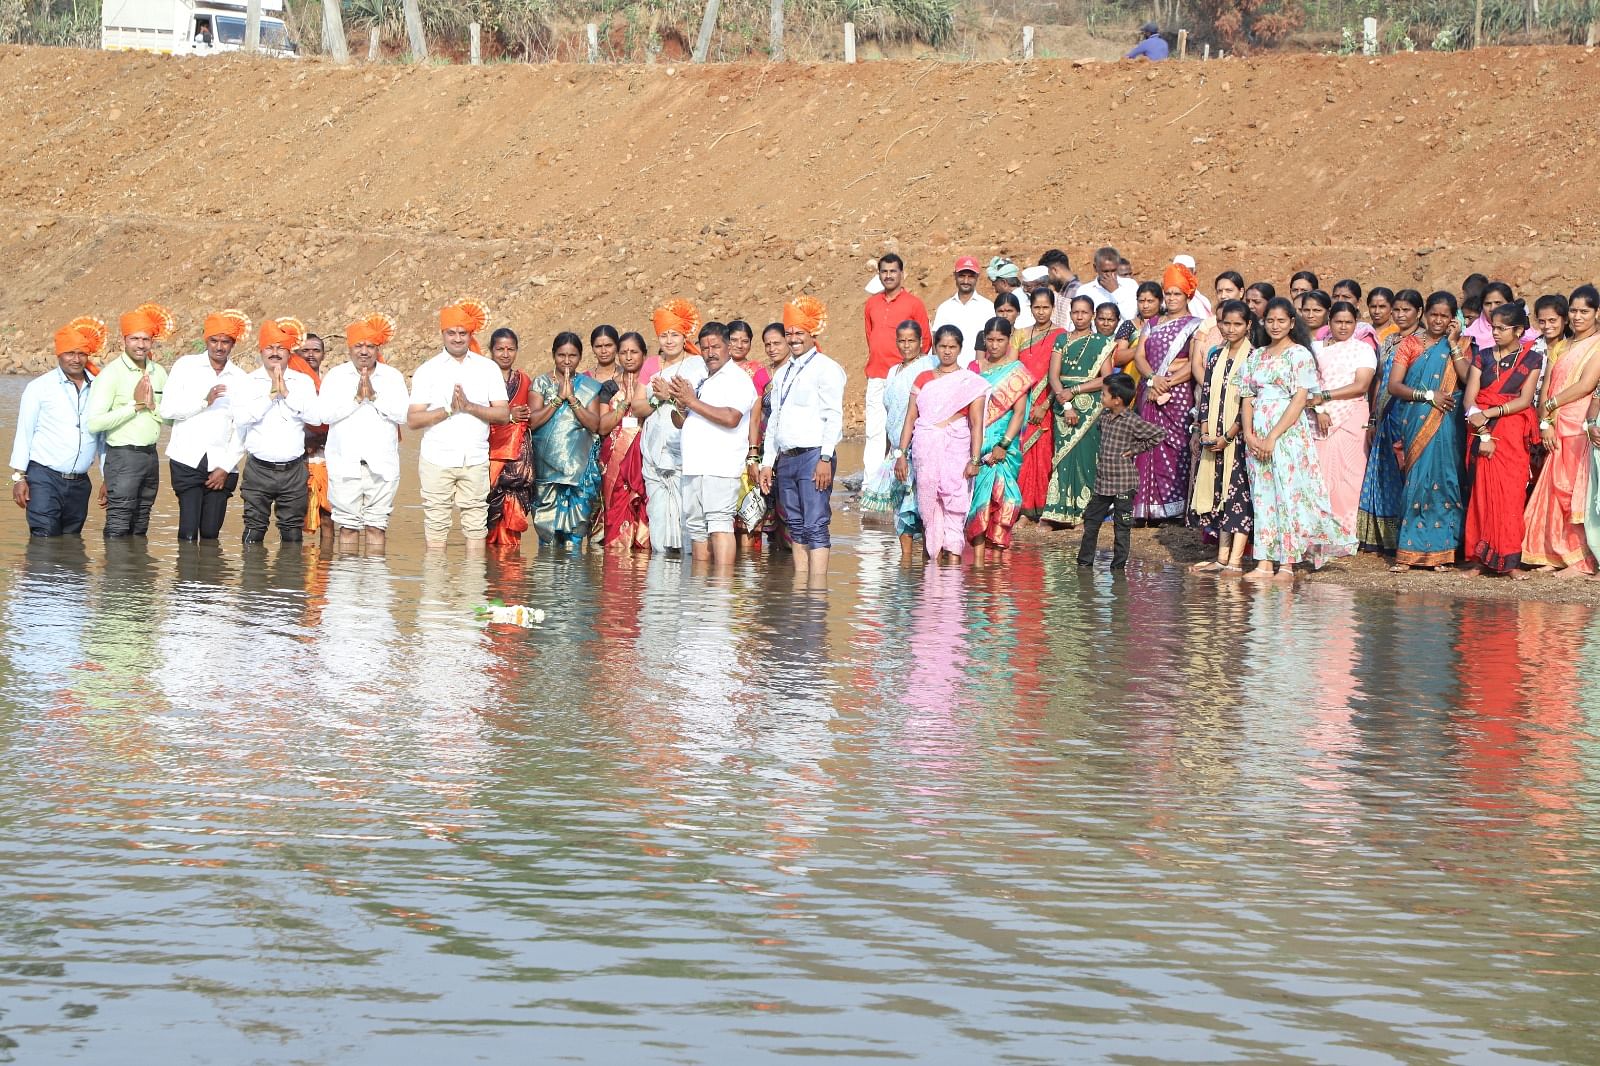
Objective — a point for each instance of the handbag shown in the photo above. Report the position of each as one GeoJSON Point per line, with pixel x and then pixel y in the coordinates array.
{"type": "Point", "coordinates": [752, 504]}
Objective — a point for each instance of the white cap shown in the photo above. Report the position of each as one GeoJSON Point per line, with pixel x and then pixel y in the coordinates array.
{"type": "Point", "coordinates": [874, 286]}
{"type": "Point", "coordinates": [1184, 260]}
{"type": "Point", "coordinates": [1035, 273]}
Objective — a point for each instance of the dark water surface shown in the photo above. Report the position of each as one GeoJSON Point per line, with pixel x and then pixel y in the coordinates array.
{"type": "Point", "coordinates": [285, 808]}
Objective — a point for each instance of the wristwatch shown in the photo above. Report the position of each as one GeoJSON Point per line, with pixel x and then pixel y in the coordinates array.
{"type": "Point", "coordinates": [826, 458]}
{"type": "Point", "coordinates": [1428, 396]}
{"type": "Point", "coordinates": [16, 476]}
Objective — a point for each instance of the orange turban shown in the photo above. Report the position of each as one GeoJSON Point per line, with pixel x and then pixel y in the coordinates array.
{"type": "Point", "coordinates": [86, 335]}
{"type": "Point", "coordinates": [373, 329]}
{"type": "Point", "coordinates": [1178, 276]}
{"type": "Point", "coordinates": [806, 313]}
{"type": "Point", "coordinates": [230, 322]}
{"type": "Point", "coordinates": [147, 318]}
{"type": "Point", "coordinates": [678, 316]}
{"type": "Point", "coordinates": [273, 333]}
{"type": "Point", "coordinates": [469, 315]}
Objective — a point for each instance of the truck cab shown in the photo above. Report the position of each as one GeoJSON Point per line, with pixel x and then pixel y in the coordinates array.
{"type": "Point", "coordinates": [189, 27]}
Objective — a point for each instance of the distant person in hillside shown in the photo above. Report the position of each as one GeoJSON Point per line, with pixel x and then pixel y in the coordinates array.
{"type": "Point", "coordinates": [1151, 46]}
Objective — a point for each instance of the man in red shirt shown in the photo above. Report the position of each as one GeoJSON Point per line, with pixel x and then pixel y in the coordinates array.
{"type": "Point", "coordinates": [884, 313]}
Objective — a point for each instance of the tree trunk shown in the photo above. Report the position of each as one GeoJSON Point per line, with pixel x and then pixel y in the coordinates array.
{"type": "Point", "coordinates": [333, 42]}
{"type": "Point", "coordinates": [776, 42]}
{"type": "Point", "coordinates": [252, 26]}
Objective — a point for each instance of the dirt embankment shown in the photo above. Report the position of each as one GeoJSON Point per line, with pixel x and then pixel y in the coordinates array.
{"type": "Point", "coordinates": [570, 195]}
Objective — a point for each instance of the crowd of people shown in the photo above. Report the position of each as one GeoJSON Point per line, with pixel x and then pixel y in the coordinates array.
{"type": "Point", "coordinates": [1441, 430]}
{"type": "Point", "coordinates": [1288, 429]}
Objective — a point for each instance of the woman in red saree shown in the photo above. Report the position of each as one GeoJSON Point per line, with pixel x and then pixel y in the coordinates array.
{"type": "Point", "coordinates": [627, 525]}
{"type": "Point", "coordinates": [1034, 348]}
{"type": "Point", "coordinates": [508, 511]}
{"type": "Point", "coordinates": [1499, 403]}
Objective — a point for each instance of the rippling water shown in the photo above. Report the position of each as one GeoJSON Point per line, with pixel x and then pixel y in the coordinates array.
{"type": "Point", "coordinates": [284, 808]}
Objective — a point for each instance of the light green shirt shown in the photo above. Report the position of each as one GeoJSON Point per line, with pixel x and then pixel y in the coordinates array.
{"type": "Point", "coordinates": [111, 408]}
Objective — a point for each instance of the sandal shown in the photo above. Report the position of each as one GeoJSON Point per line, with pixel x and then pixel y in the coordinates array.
{"type": "Point", "coordinates": [1399, 568]}
{"type": "Point", "coordinates": [1210, 566]}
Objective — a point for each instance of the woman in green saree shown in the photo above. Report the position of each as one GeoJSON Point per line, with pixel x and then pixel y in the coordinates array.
{"type": "Point", "coordinates": [1076, 370]}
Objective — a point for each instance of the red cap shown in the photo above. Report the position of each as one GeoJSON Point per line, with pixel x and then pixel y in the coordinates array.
{"type": "Point", "coordinates": [966, 262]}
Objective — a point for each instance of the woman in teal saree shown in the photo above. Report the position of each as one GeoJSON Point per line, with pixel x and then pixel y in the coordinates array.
{"type": "Point", "coordinates": [1426, 382]}
{"type": "Point", "coordinates": [565, 418]}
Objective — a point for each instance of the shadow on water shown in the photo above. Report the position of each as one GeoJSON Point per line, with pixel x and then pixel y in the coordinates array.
{"type": "Point", "coordinates": [276, 805]}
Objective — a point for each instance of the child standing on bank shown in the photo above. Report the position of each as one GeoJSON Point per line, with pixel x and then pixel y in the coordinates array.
{"type": "Point", "coordinates": [1123, 435]}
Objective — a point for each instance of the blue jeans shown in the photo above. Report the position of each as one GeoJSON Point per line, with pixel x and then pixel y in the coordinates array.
{"type": "Point", "coordinates": [57, 506]}
{"type": "Point", "coordinates": [806, 511]}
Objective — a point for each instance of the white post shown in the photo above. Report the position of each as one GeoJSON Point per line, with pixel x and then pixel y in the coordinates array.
{"type": "Point", "coordinates": [593, 33]}
{"type": "Point", "coordinates": [333, 41]}
{"type": "Point", "coordinates": [419, 41]}
{"type": "Point", "coordinates": [776, 32]}
{"type": "Point", "coordinates": [1027, 42]}
{"type": "Point", "coordinates": [476, 52]}
{"type": "Point", "coordinates": [1183, 44]}
{"type": "Point", "coordinates": [1369, 37]}
{"type": "Point", "coordinates": [849, 42]}
{"type": "Point", "coordinates": [372, 45]}
{"type": "Point", "coordinates": [1206, 54]}
{"type": "Point", "coordinates": [702, 47]}
{"type": "Point", "coordinates": [252, 26]}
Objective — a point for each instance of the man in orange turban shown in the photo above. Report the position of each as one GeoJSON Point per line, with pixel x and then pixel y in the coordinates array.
{"type": "Point", "coordinates": [53, 450]}
{"type": "Point", "coordinates": [203, 452]}
{"type": "Point", "coordinates": [797, 460]}
{"type": "Point", "coordinates": [364, 402]}
{"type": "Point", "coordinates": [455, 397]}
{"type": "Point", "coordinates": [272, 412]}
{"type": "Point", "coordinates": [124, 404]}
{"type": "Point", "coordinates": [677, 325]}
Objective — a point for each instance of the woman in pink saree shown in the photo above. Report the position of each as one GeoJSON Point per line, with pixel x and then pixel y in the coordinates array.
{"type": "Point", "coordinates": [1346, 366]}
{"type": "Point", "coordinates": [943, 430]}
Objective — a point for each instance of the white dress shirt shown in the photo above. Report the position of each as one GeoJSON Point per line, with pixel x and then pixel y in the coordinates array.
{"type": "Point", "coordinates": [462, 439]}
{"type": "Point", "coordinates": [274, 429]}
{"type": "Point", "coordinates": [969, 318]}
{"type": "Point", "coordinates": [708, 449]}
{"type": "Point", "coordinates": [50, 426]}
{"type": "Point", "coordinates": [662, 446]}
{"type": "Point", "coordinates": [1125, 296]}
{"type": "Point", "coordinates": [363, 432]}
{"type": "Point", "coordinates": [203, 436]}
{"type": "Point", "coordinates": [807, 407]}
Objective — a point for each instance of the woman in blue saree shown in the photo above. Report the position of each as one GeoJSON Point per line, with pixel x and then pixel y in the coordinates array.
{"type": "Point", "coordinates": [1378, 515]}
{"type": "Point", "coordinates": [1425, 383]}
{"type": "Point", "coordinates": [565, 418]}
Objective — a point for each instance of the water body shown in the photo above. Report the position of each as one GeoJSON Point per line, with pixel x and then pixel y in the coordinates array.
{"type": "Point", "coordinates": [278, 807]}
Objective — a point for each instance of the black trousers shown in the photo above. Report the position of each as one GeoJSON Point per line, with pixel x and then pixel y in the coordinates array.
{"type": "Point", "coordinates": [133, 474]}
{"type": "Point", "coordinates": [269, 487]}
{"type": "Point", "coordinates": [200, 510]}
{"type": "Point", "coordinates": [1121, 510]}
{"type": "Point", "coordinates": [57, 506]}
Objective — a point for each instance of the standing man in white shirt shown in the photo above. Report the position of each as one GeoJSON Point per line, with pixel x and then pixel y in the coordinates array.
{"type": "Point", "coordinates": [271, 415]}
{"type": "Point", "coordinates": [966, 310]}
{"type": "Point", "coordinates": [715, 416]}
{"type": "Point", "coordinates": [1109, 288]}
{"type": "Point", "coordinates": [204, 449]}
{"type": "Point", "coordinates": [54, 450]}
{"type": "Point", "coordinates": [364, 404]}
{"type": "Point", "coordinates": [804, 429]}
{"type": "Point", "coordinates": [455, 397]}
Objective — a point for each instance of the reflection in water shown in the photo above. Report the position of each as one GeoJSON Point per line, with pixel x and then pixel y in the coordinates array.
{"type": "Point", "coordinates": [285, 806]}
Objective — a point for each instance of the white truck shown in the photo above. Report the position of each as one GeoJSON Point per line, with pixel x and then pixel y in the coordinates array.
{"type": "Point", "coordinates": [189, 27]}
